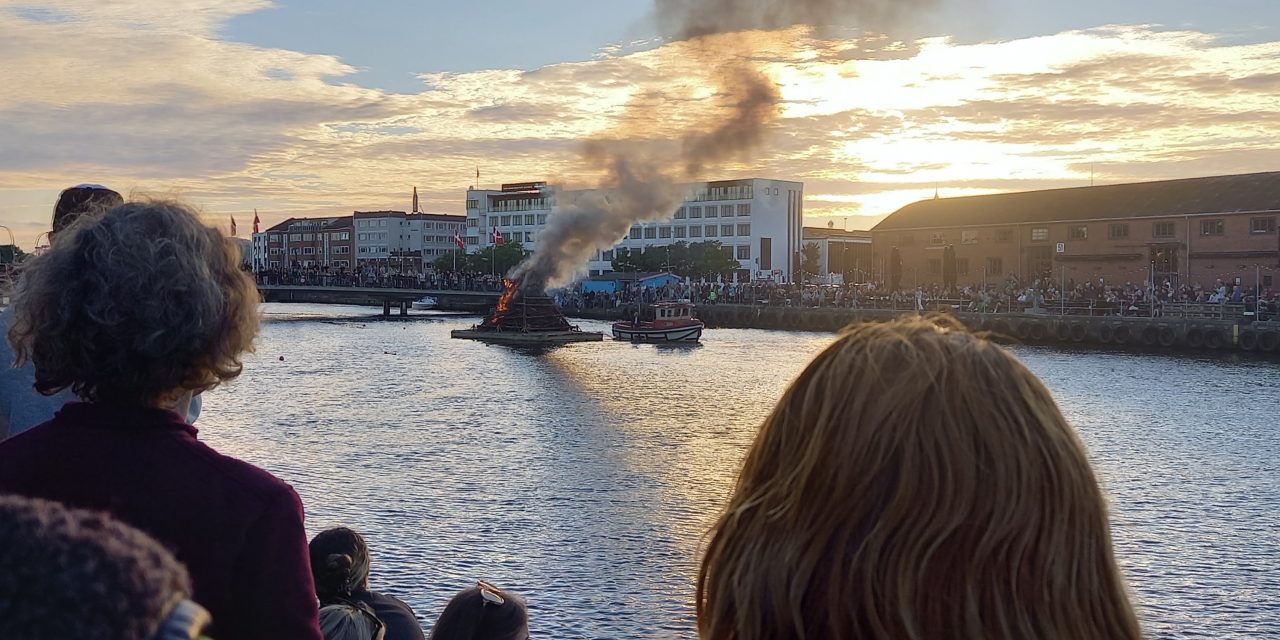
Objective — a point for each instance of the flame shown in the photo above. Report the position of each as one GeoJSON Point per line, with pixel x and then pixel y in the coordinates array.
{"type": "Point", "coordinates": [504, 302]}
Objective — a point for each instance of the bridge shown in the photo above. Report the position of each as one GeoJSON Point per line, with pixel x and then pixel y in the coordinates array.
{"type": "Point", "coordinates": [446, 299]}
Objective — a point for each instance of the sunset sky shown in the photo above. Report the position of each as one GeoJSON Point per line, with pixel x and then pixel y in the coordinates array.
{"type": "Point", "coordinates": [323, 107]}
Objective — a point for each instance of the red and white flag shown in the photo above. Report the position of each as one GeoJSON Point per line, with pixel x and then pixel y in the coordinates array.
{"type": "Point", "coordinates": [255, 220]}
{"type": "Point", "coordinates": [497, 236]}
{"type": "Point", "coordinates": [457, 239]}
{"type": "Point", "coordinates": [233, 226]}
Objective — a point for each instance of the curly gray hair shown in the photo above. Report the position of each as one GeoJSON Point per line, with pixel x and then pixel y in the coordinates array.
{"type": "Point", "coordinates": [135, 306]}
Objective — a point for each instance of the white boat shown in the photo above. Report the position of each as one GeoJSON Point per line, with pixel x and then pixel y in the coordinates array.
{"type": "Point", "coordinates": [425, 302]}
{"type": "Point", "coordinates": [672, 322]}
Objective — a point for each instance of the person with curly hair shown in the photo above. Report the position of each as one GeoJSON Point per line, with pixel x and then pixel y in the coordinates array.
{"type": "Point", "coordinates": [70, 574]}
{"type": "Point", "coordinates": [915, 481]}
{"type": "Point", "coordinates": [135, 311]}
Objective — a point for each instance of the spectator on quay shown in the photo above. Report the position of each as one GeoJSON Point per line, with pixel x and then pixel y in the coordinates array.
{"type": "Point", "coordinates": [340, 563]}
{"type": "Point", "coordinates": [135, 311]}
{"type": "Point", "coordinates": [483, 612]}
{"type": "Point", "coordinates": [21, 407]}
{"type": "Point", "coordinates": [915, 481]}
{"type": "Point", "coordinates": [70, 574]}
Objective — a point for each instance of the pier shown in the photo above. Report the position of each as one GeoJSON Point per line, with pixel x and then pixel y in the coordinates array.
{"type": "Point", "coordinates": [387, 297]}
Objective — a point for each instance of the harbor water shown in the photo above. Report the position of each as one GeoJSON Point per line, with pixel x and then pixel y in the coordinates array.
{"type": "Point", "coordinates": [584, 477]}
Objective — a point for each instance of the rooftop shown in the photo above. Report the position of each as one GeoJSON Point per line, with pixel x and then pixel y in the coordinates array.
{"type": "Point", "coordinates": [1191, 196]}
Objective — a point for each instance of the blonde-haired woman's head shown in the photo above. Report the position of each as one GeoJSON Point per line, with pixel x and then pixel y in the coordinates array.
{"type": "Point", "coordinates": [915, 482]}
{"type": "Point", "coordinates": [139, 305]}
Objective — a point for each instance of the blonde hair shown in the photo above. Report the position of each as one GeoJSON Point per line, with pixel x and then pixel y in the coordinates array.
{"type": "Point", "coordinates": [915, 482]}
{"type": "Point", "coordinates": [135, 306]}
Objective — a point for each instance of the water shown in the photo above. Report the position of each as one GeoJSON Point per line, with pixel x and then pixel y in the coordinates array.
{"type": "Point", "coordinates": [584, 477]}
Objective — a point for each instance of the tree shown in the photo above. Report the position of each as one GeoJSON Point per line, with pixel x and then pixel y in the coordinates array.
{"type": "Point", "coordinates": [709, 259]}
{"type": "Point", "coordinates": [446, 262]}
{"type": "Point", "coordinates": [489, 260]}
{"type": "Point", "coordinates": [811, 259]}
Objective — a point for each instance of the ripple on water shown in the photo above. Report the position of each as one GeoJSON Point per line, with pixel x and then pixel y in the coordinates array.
{"type": "Point", "coordinates": [584, 477]}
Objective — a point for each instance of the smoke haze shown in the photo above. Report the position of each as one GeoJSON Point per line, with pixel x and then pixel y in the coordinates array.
{"type": "Point", "coordinates": [641, 182]}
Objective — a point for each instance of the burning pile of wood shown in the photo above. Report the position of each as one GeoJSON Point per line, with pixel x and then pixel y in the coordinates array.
{"type": "Point", "coordinates": [517, 310]}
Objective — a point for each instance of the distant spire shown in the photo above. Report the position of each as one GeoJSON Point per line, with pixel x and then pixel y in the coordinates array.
{"type": "Point", "coordinates": [416, 209]}
{"type": "Point", "coordinates": [935, 191]}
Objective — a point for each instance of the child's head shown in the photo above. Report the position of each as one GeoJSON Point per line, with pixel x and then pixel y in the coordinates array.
{"type": "Point", "coordinates": [915, 481]}
{"type": "Point", "coordinates": [483, 612]}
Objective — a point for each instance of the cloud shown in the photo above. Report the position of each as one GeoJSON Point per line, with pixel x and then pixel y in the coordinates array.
{"type": "Point", "coordinates": [149, 95]}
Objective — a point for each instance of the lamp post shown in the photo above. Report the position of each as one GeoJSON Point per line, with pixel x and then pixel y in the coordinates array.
{"type": "Point", "coordinates": [12, 243]}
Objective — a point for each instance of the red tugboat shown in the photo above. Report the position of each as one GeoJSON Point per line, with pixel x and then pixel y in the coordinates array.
{"type": "Point", "coordinates": [672, 322]}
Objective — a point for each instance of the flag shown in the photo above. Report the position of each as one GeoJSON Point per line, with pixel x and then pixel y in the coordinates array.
{"type": "Point", "coordinates": [233, 226]}
{"type": "Point", "coordinates": [497, 236]}
{"type": "Point", "coordinates": [255, 220]}
{"type": "Point", "coordinates": [457, 239]}
{"type": "Point", "coordinates": [415, 201]}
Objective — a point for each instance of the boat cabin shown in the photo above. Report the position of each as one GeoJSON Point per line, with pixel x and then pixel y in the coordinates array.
{"type": "Point", "coordinates": [673, 314]}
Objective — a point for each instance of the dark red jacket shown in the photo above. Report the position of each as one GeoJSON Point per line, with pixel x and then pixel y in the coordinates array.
{"type": "Point", "coordinates": [236, 527]}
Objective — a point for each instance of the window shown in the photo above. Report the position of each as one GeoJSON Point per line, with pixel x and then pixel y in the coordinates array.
{"type": "Point", "coordinates": [744, 229]}
{"type": "Point", "coordinates": [962, 266]}
{"type": "Point", "coordinates": [275, 251]}
{"type": "Point", "coordinates": [664, 232]}
{"type": "Point", "coordinates": [695, 232]}
{"type": "Point", "coordinates": [473, 239]}
{"type": "Point", "coordinates": [529, 218]}
{"type": "Point", "coordinates": [710, 231]}
{"type": "Point", "coordinates": [506, 221]}
{"type": "Point", "coordinates": [473, 222]}
{"type": "Point", "coordinates": [308, 251]}
{"type": "Point", "coordinates": [1118, 231]}
{"type": "Point", "coordinates": [364, 236]}
{"type": "Point", "coordinates": [968, 237]}
{"type": "Point", "coordinates": [295, 237]}
{"type": "Point", "coordinates": [1212, 227]}
{"type": "Point", "coordinates": [542, 218]}
{"type": "Point", "coordinates": [995, 266]}
{"type": "Point", "coordinates": [1162, 230]}
{"type": "Point", "coordinates": [744, 252]}
{"type": "Point", "coordinates": [935, 265]}
{"type": "Point", "coordinates": [1004, 236]}
{"type": "Point", "coordinates": [493, 221]}
{"type": "Point", "coordinates": [650, 233]}
{"type": "Point", "coordinates": [1039, 234]}
{"type": "Point", "coordinates": [744, 209]}
{"type": "Point", "coordinates": [608, 255]}
{"type": "Point", "coordinates": [1262, 225]}
{"type": "Point", "coordinates": [680, 232]}
{"type": "Point", "coordinates": [726, 230]}
{"type": "Point", "coordinates": [695, 212]}
{"type": "Point", "coordinates": [473, 204]}
{"type": "Point", "coordinates": [342, 249]}
{"type": "Point", "coordinates": [713, 211]}
{"type": "Point", "coordinates": [906, 240]}
{"type": "Point", "coordinates": [528, 236]}
{"type": "Point", "coordinates": [273, 239]}
{"type": "Point", "coordinates": [726, 211]}
{"type": "Point", "coordinates": [308, 237]}
{"type": "Point", "coordinates": [636, 233]}
{"type": "Point", "coordinates": [679, 214]}
{"type": "Point", "coordinates": [937, 238]}
{"type": "Point", "coordinates": [1079, 232]}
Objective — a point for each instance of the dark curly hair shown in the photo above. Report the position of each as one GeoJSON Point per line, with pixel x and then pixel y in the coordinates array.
{"type": "Point", "coordinates": [69, 573]}
{"type": "Point", "coordinates": [135, 306]}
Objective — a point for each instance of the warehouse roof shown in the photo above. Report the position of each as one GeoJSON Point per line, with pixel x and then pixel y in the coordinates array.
{"type": "Point", "coordinates": [1217, 194]}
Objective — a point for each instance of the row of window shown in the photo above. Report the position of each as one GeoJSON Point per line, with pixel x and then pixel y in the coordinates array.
{"type": "Point", "coordinates": [743, 252]}
{"type": "Point", "coordinates": [1116, 231]}
{"type": "Point", "coordinates": [526, 204]}
{"type": "Point", "coordinates": [527, 220]}
{"type": "Point", "coordinates": [713, 211]}
{"type": "Point", "coordinates": [695, 231]}
{"type": "Point", "coordinates": [737, 192]}
{"type": "Point", "coordinates": [309, 251]}
{"type": "Point", "coordinates": [308, 237]}
{"type": "Point", "coordinates": [382, 222]}
{"type": "Point", "coordinates": [275, 264]}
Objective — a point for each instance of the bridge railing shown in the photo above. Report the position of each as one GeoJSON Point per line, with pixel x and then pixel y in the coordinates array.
{"type": "Point", "coordinates": [377, 282]}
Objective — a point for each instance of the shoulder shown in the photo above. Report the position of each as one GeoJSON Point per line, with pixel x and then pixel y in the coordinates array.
{"type": "Point", "coordinates": [244, 478]}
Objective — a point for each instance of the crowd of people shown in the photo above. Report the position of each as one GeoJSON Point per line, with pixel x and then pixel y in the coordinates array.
{"type": "Point", "coordinates": [915, 480]}
{"type": "Point", "coordinates": [1007, 295]}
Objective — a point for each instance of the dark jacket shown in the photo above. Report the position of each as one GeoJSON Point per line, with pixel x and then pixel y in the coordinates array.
{"type": "Point", "coordinates": [237, 528]}
{"type": "Point", "coordinates": [401, 623]}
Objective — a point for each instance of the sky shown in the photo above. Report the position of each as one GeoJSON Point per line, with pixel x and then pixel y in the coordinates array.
{"type": "Point", "coordinates": [302, 108]}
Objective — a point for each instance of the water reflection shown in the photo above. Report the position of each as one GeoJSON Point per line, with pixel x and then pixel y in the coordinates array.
{"type": "Point", "coordinates": [585, 476]}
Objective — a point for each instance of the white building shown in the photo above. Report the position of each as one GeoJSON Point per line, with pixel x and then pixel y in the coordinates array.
{"type": "Point", "coordinates": [761, 220]}
{"type": "Point", "coordinates": [396, 238]}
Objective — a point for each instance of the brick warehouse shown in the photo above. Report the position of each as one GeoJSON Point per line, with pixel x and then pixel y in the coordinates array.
{"type": "Point", "coordinates": [1191, 231]}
